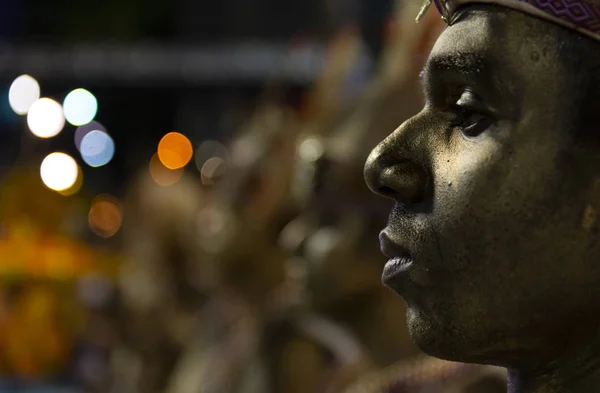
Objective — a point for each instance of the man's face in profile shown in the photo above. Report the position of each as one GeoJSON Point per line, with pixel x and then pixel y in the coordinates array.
{"type": "Point", "coordinates": [491, 240]}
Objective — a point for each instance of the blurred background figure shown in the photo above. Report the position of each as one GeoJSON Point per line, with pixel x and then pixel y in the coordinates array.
{"type": "Point", "coordinates": [163, 282]}
{"type": "Point", "coordinates": [182, 207]}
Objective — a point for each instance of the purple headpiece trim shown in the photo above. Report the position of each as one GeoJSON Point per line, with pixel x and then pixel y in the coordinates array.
{"type": "Point", "coordinates": [582, 16]}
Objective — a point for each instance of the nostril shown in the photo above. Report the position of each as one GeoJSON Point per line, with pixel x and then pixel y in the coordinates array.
{"type": "Point", "coordinates": [396, 178]}
{"type": "Point", "coordinates": [404, 181]}
{"type": "Point", "coordinates": [386, 191]}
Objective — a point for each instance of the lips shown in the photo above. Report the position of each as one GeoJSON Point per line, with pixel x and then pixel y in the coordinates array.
{"type": "Point", "coordinates": [391, 249]}
{"type": "Point", "coordinates": [399, 263]}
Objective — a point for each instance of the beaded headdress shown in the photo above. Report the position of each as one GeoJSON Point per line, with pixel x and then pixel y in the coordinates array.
{"type": "Point", "coordinates": [582, 16]}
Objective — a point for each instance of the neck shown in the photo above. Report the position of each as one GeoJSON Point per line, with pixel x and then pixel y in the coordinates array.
{"type": "Point", "coordinates": [577, 371]}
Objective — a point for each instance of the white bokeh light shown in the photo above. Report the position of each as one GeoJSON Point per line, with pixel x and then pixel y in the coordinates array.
{"type": "Point", "coordinates": [45, 118]}
{"type": "Point", "coordinates": [59, 171]}
{"type": "Point", "coordinates": [311, 149]}
{"type": "Point", "coordinates": [80, 107]}
{"type": "Point", "coordinates": [208, 150]}
{"type": "Point", "coordinates": [24, 91]}
{"type": "Point", "coordinates": [97, 148]}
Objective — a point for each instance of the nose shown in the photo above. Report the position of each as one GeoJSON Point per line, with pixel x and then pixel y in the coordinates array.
{"type": "Point", "coordinates": [394, 171]}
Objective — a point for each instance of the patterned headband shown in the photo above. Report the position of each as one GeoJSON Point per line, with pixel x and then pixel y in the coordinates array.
{"type": "Point", "coordinates": [582, 16]}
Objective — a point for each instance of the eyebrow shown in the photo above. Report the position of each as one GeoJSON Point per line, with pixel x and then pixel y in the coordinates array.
{"type": "Point", "coordinates": [456, 68]}
{"type": "Point", "coordinates": [466, 64]}
{"type": "Point", "coordinates": [500, 85]}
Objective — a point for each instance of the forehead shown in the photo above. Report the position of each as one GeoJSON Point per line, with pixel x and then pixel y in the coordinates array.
{"type": "Point", "coordinates": [499, 50]}
{"type": "Point", "coordinates": [499, 34]}
{"type": "Point", "coordinates": [473, 41]}
{"type": "Point", "coordinates": [472, 30]}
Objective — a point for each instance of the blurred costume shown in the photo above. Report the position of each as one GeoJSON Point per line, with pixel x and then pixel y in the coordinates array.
{"type": "Point", "coordinates": [165, 285]}
{"type": "Point", "coordinates": [253, 204]}
{"type": "Point", "coordinates": [42, 261]}
{"type": "Point", "coordinates": [425, 374]}
{"type": "Point", "coordinates": [302, 351]}
{"type": "Point", "coordinates": [202, 276]}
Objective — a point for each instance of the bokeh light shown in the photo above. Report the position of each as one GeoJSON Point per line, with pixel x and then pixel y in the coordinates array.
{"type": "Point", "coordinates": [212, 170]}
{"type": "Point", "coordinates": [97, 148]}
{"type": "Point", "coordinates": [105, 216]}
{"type": "Point", "coordinates": [80, 107]}
{"type": "Point", "coordinates": [94, 290]}
{"type": "Point", "coordinates": [74, 189]}
{"type": "Point", "coordinates": [208, 150]}
{"type": "Point", "coordinates": [85, 129]}
{"type": "Point", "coordinates": [162, 175]}
{"type": "Point", "coordinates": [244, 152]}
{"type": "Point", "coordinates": [175, 150]}
{"type": "Point", "coordinates": [59, 171]}
{"type": "Point", "coordinates": [45, 118]}
{"type": "Point", "coordinates": [310, 149]}
{"type": "Point", "coordinates": [24, 91]}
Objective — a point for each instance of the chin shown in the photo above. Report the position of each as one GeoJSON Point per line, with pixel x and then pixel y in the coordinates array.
{"type": "Point", "coordinates": [427, 336]}
{"type": "Point", "coordinates": [449, 340]}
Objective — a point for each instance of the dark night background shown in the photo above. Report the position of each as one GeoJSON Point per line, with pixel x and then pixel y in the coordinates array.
{"type": "Point", "coordinates": [43, 38]}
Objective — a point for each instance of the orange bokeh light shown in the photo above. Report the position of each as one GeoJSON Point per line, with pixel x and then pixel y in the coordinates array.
{"type": "Point", "coordinates": [162, 175]}
{"type": "Point", "coordinates": [105, 216]}
{"type": "Point", "coordinates": [175, 150]}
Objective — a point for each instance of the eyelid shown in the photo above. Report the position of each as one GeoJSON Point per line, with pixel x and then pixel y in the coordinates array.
{"type": "Point", "coordinates": [472, 101]}
{"type": "Point", "coordinates": [467, 95]}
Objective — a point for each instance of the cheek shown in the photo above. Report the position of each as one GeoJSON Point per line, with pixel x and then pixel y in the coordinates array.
{"type": "Point", "coordinates": [495, 206]}
{"type": "Point", "coordinates": [509, 227]}
{"type": "Point", "coordinates": [465, 199]}
{"type": "Point", "coordinates": [463, 168]}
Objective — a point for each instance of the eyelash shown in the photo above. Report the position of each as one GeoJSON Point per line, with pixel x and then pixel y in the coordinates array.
{"type": "Point", "coordinates": [471, 121]}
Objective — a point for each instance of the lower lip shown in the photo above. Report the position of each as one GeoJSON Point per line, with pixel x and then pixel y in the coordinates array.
{"type": "Point", "coordinates": [394, 268]}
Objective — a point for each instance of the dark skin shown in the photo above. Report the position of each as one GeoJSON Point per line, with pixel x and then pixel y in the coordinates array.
{"type": "Point", "coordinates": [495, 205]}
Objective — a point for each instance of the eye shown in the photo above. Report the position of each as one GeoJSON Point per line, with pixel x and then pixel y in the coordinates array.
{"type": "Point", "coordinates": [471, 115]}
{"type": "Point", "coordinates": [472, 123]}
